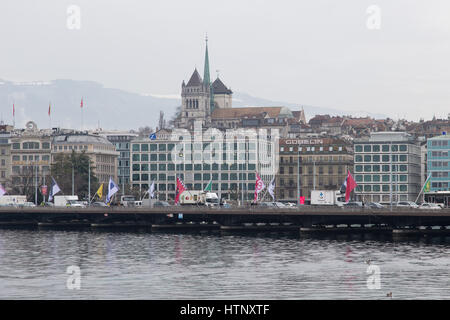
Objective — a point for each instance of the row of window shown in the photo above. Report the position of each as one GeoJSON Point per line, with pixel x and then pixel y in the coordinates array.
{"type": "Point", "coordinates": [383, 188]}
{"type": "Point", "coordinates": [199, 186]}
{"type": "Point", "coordinates": [70, 147]}
{"type": "Point", "coordinates": [381, 158]}
{"type": "Point", "coordinates": [190, 167]}
{"type": "Point", "coordinates": [436, 164]}
{"type": "Point", "coordinates": [319, 170]}
{"type": "Point", "coordinates": [382, 148]}
{"type": "Point", "coordinates": [313, 159]}
{"type": "Point", "coordinates": [381, 168]}
{"type": "Point", "coordinates": [241, 146]}
{"type": "Point", "coordinates": [440, 174]}
{"type": "Point", "coordinates": [438, 154]}
{"type": "Point", "coordinates": [439, 143]}
{"type": "Point", "coordinates": [440, 185]}
{"type": "Point", "coordinates": [31, 158]}
{"type": "Point", "coordinates": [197, 177]}
{"type": "Point", "coordinates": [30, 145]}
{"type": "Point", "coordinates": [380, 178]}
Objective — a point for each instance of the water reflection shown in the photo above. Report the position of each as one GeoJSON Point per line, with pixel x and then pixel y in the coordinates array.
{"type": "Point", "coordinates": [220, 265]}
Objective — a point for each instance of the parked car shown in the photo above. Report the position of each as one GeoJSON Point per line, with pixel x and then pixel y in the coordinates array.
{"type": "Point", "coordinates": [279, 204]}
{"type": "Point", "coordinates": [226, 205]}
{"type": "Point", "coordinates": [353, 204]}
{"type": "Point", "coordinates": [98, 204]}
{"type": "Point", "coordinates": [75, 204]}
{"type": "Point", "coordinates": [407, 204]}
{"type": "Point", "coordinates": [267, 204]}
{"type": "Point", "coordinates": [430, 206]}
{"type": "Point", "coordinates": [28, 204]}
{"type": "Point", "coordinates": [375, 205]}
{"type": "Point", "coordinates": [291, 205]}
{"type": "Point", "coordinates": [161, 204]}
{"type": "Point", "coordinates": [49, 204]}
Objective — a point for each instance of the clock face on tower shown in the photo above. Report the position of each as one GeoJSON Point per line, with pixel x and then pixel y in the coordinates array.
{"type": "Point", "coordinates": [31, 126]}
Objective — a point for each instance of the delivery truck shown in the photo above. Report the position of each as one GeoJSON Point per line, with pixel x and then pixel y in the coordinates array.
{"type": "Point", "coordinates": [64, 201]}
{"type": "Point", "coordinates": [327, 198]}
{"type": "Point", "coordinates": [196, 197]}
{"type": "Point", "coordinates": [11, 200]}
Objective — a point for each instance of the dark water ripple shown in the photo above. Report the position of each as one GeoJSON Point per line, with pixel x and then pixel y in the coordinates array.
{"type": "Point", "coordinates": [120, 265]}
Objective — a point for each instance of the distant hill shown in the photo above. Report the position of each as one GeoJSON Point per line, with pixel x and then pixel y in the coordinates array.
{"type": "Point", "coordinates": [106, 107]}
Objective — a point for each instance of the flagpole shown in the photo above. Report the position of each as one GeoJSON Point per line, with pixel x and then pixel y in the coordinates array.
{"type": "Point", "coordinates": [423, 186]}
{"type": "Point", "coordinates": [89, 181]}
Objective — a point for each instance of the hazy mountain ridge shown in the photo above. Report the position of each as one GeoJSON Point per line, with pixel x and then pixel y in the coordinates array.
{"type": "Point", "coordinates": [108, 108]}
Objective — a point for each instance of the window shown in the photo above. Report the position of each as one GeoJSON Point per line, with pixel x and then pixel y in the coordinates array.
{"type": "Point", "coordinates": [367, 158]}
{"type": "Point", "coordinates": [16, 146]}
{"type": "Point", "coordinates": [358, 158]}
{"type": "Point", "coordinates": [358, 168]}
{"type": "Point", "coordinates": [153, 147]}
{"type": "Point", "coordinates": [136, 157]}
{"type": "Point", "coordinates": [385, 148]}
{"type": "Point", "coordinates": [376, 158]}
{"type": "Point", "coordinates": [376, 168]}
{"type": "Point", "coordinates": [358, 148]}
{"type": "Point", "coordinates": [144, 157]}
{"type": "Point", "coordinates": [376, 148]}
{"type": "Point", "coordinates": [376, 178]}
{"type": "Point", "coordinates": [45, 145]}
{"type": "Point", "coordinates": [162, 147]}
{"type": "Point", "coordinates": [135, 147]}
{"type": "Point", "coordinates": [403, 147]}
{"type": "Point", "coordinates": [367, 148]}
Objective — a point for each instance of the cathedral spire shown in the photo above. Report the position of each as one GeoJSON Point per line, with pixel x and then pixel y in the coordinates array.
{"type": "Point", "coordinates": [206, 78]}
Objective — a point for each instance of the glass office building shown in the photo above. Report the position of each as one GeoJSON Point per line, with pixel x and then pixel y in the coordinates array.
{"type": "Point", "coordinates": [387, 167]}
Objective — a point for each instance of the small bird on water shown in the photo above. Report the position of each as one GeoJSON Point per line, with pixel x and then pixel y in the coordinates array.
{"type": "Point", "coordinates": [389, 295]}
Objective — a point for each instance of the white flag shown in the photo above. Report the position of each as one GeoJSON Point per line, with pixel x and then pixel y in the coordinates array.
{"type": "Point", "coordinates": [152, 190]}
{"type": "Point", "coordinates": [112, 189]}
{"type": "Point", "coordinates": [2, 190]}
{"type": "Point", "coordinates": [271, 188]}
{"type": "Point", "coordinates": [54, 189]}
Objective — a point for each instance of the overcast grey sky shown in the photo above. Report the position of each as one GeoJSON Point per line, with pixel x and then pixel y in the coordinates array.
{"type": "Point", "coordinates": [318, 52]}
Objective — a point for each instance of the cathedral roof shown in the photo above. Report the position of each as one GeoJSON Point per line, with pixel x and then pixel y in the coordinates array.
{"type": "Point", "coordinates": [195, 80]}
{"type": "Point", "coordinates": [251, 112]}
{"type": "Point", "coordinates": [220, 88]}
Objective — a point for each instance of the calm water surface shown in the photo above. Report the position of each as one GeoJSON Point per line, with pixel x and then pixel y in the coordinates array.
{"type": "Point", "coordinates": [144, 265]}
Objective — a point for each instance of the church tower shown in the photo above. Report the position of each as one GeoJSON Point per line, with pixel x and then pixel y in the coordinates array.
{"type": "Point", "coordinates": [196, 98]}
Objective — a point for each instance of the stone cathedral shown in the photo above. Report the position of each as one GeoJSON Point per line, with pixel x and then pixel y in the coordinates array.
{"type": "Point", "coordinates": [200, 97]}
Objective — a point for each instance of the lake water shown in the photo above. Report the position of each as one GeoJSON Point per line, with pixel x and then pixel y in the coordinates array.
{"type": "Point", "coordinates": [215, 265]}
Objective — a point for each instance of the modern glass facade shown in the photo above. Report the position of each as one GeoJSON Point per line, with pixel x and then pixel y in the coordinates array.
{"type": "Point", "coordinates": [387, 167]}
{"type": "Point", "coordinates": [196, 164]}
{"type": "Point", "coordinates": [438, 163]}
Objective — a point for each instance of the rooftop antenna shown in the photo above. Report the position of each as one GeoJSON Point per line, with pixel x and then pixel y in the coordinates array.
{"type": "Point", "coordinates": [218, 73]}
